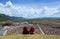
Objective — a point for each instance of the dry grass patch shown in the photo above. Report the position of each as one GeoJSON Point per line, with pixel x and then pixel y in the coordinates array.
{"type": "Point", "coordinates": [20, 36]}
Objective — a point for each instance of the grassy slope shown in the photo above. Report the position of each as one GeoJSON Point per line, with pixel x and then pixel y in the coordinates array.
{"type": "Point", "coordinates": [30, 37]}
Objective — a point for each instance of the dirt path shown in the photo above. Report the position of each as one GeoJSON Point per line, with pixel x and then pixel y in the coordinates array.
{"type": "Point", "coordinates": [40, 29]}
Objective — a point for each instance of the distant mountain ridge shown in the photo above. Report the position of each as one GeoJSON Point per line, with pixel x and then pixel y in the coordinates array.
{"type": "Point", "coordinates": [4, 17]}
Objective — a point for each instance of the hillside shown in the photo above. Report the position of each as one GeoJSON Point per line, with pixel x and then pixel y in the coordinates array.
{"type": "Point", "coordinates": [3, 17]}
{"type": "Point", "coordinates": [11, 18]}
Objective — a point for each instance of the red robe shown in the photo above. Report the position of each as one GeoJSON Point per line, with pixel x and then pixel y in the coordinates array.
{"type": "Point", "coordinates": [25, 30]}
{"type": "Point", "coordinates": [32, 30]}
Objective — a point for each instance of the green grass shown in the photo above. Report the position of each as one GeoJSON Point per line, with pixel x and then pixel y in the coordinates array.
{"type": "Point", "coordinates": [19, 36]}
{"type": "Point", "coordinates": [43, 20]}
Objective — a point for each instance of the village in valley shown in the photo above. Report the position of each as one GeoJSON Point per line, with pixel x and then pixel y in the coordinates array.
{"type": "Point", "coordinates": [38, 28]}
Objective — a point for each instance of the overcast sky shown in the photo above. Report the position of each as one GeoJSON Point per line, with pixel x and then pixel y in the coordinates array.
{"type": "Point", "coordinates": [30, 8]}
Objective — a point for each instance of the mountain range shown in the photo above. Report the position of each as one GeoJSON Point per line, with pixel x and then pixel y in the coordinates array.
{"type": "Point", "coordinates": [4, 17]}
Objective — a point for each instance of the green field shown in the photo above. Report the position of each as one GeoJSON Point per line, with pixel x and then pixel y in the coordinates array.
{"type": "Point", "coordinates": [19, 36]}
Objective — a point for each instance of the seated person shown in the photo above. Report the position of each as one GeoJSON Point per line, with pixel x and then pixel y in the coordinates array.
{"type": "Point", "coordinates": [25, 30]}
{"type": "Point", "coordinates": [32, 30]}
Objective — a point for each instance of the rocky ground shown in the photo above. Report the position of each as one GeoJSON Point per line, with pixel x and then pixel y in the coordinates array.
{"type": "Point", "coordinates": [47, 28]}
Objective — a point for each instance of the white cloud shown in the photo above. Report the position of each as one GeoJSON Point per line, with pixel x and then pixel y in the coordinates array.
{"type": "Point", "coordinates": [9, 4]}
{"type": "Point", "coordinates": [28, 12]}
{"type": "Point", "coordinates": [50, 11]}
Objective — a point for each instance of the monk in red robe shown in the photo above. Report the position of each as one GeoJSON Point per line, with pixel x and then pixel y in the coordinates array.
{"type": "Point", "coordinates": [25, 30]}
{"type": "Point", "coordinates": [32, 30]}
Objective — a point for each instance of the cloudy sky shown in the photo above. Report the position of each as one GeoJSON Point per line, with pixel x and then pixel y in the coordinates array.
{"type": "Point", "coordinates": [30, 8]}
